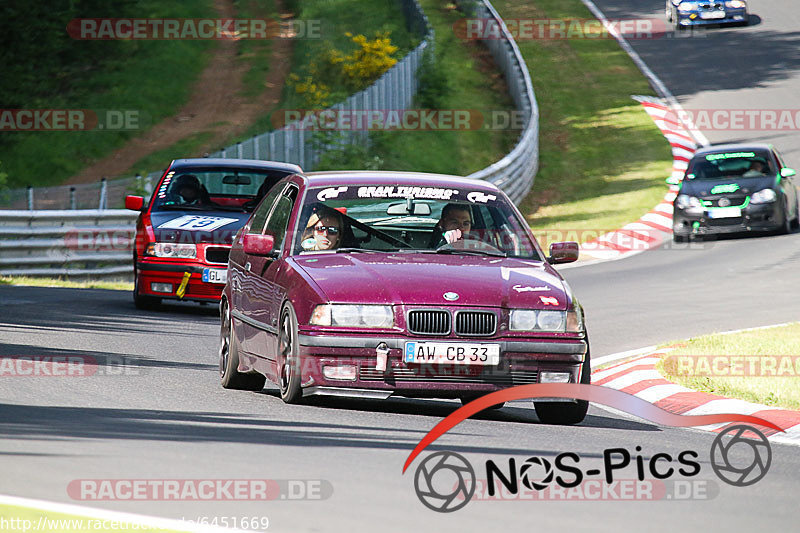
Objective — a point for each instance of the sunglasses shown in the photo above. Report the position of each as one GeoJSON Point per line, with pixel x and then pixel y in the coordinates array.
{"type": "Point", "coordinates": [331, 230]}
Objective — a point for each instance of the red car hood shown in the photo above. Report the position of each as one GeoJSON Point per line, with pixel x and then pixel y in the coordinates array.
{"type": "Point", "coordinates": [423, 279]}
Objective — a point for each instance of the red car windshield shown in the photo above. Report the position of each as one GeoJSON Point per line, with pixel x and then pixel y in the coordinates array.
{"type": "Point", "coordinates": [423, 219]}
{"type": "Point", "coordinates": [214, 189]}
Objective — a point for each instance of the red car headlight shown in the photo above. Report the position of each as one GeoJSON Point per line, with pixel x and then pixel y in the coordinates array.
{"type": "Point", "coordinates": [172, 250]}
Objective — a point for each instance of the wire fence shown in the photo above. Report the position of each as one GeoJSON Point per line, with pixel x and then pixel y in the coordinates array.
{"type": "Point", "coordinates": [95, 240]}
{"type": "Point", "coordinates": [293, 143]}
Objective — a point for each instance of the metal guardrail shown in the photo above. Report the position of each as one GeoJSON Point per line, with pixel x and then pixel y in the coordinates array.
{"type": "Point", "coordinates": [514, 174]}
{"type": "Point", "coordinates": [85, 243]}
{"type": "Point", "coordinates": [98, 242]}
{"type": "Point", "coordinates": [395, 90]}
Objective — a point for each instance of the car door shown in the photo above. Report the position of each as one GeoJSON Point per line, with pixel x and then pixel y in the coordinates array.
{"type": "Point", "coordinates": [266, 297]}
{"type": "Point", "coordinates": [245, 271]}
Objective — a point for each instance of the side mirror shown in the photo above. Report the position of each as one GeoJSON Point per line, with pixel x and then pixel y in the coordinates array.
{"type": "Point", "coordinates": [563, 252]}
{"type": "Point", "coordinates": [134, 203]}
{"type": "Point", "coordinates": [258, 244]}
{"type": "Point", "coordinates": [672, 180]}
{"type": "Point", "coordinates": [787, 172]}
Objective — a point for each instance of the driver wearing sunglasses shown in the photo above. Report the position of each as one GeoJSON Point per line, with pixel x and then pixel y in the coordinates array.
{"type": "Point", "coordinates": [323, 231]}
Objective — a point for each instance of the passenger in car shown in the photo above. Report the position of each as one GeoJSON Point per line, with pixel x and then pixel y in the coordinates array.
{"type": "Point", "coordinates": [323, 231]}
{"type": "Point", "coordinates": [454, 224]}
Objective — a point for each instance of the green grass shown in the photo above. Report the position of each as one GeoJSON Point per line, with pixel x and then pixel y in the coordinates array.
{"type": "Point", "coordinates": [336, 18]}
{"type": "Point", "coordinates": [465, 80]}
{"type": "Point", "coordinates": [602, 160]}
{"type": "Point", "coordinates": [60, 282]}
{"type": "Point", "coordinates": [151, 77]}
{"type": "Point", "coordinates": [255, 52]}
{"type": "Point", "coordinates": [773, 390]}
{"type": "Point", "coordinates": [161, 158]}
{"type": "Point", "coordinates": [21, 518]}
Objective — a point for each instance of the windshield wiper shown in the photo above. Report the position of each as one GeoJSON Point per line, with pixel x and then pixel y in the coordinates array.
{"type": "Point", "coordinates": [347, 250]}
{"type": "Point", "coordinates": [458, 251]}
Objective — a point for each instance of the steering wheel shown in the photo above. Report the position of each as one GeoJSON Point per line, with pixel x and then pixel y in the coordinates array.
{"type": "Point", "coordinates": [469, 243]}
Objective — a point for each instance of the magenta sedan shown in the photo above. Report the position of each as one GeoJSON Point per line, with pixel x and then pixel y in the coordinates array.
{"type": "Point", "coordinates": [379, 284]}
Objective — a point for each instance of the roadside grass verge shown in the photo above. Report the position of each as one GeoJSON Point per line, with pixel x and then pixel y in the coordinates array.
{"type": "Point", "coordinates": [336, 17]}
{"type": "Point", "coordinates": [778, 382]}
{"type": "Point", "coordinates": [61, 282]}
{"type": "Point", "coordinates": [462, 76]}
{"type": "Point", "coordinates": [151, 77]}
{"type": "Point", "coordinates": [602, 161]}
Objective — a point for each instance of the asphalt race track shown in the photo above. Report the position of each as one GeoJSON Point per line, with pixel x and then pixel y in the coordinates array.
{"type": "Point", "coordinates": [158, 411]}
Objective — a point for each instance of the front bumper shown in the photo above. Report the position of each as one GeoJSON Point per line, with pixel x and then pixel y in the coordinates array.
{"type": "Point", "coordinates": [521, 362]}
{"type": "Point", "coordinates": [755, 217]}
{"type": "Point", "coordinates": [172, 273]}
{"type": "Point", "coordinates": [695, 18]}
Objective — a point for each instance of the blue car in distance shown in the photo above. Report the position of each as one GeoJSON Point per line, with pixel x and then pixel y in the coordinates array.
{"type": "Point", "coordinates": [685, 13]}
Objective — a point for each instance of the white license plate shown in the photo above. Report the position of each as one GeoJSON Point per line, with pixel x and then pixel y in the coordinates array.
{"type": "Point", "coordinates": [215, 275]}
{"type": "Point", "coordinates": [725, 212]}
{"type": "Point", "coordinates": [714, 15]}
{"type": "Point", "coordinates": [456, 353]}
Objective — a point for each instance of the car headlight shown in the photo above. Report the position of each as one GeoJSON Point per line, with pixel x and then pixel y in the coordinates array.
{"type": "Point", "coordinates": [736, 4]}
{"type": "Point", "coordinates": [545, 320]}
{"type": "Point", "coordinates": [687, 6]}
{"type": "Point", "coordinates": [764, 196]}
{"type": "Point", "coordinates": [354, 316]}
{"type": "Point", "coordinates": [169, 249]}
{"type": "Point", "coordinates": [690, 204]}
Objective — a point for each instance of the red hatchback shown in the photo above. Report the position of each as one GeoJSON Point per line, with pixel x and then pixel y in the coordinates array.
{"type": "Point", "coordinates": [184, 234]}
{"type": "Point", "coordinates": [374, 284]}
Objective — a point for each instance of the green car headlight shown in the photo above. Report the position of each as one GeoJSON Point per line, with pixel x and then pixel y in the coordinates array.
{"type": "Point", "coordinates": [764, 196]}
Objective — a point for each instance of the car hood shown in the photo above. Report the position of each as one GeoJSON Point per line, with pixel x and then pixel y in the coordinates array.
{"type": "Point", "coordinates": [193, 226]}
{"type": "Point", "coordinates": [423, 279]}
{"type": "Point", "coordinates": [748, 185]}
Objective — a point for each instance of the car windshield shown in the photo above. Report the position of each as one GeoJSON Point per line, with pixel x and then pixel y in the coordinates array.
{"type": "Point", "coordinates": [748, 164]}
{"type": "Point", "coordinates": [411, 219]}
{"type": "Point", "coordinates": [232, 189]}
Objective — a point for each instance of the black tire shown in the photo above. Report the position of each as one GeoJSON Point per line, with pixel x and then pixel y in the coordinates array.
{"type": "Point", "coordinates": [288, 356]}
{"type": "Point", "coordinates": [787, 222]}
{"type": "Point", "coordinates": [465, 399]}
{"type": "Point", "coordinates": [566, 414]}
{"type": "Point", "coordinates": [229, 374]}
{"type": "Point", "coordinates": [679, 238]}
{"type": "Point", "coordinates": [674, 20]}
{"type": "Point", "coordinates": [139, 300]}
{"type": "Point", "coordinates": [796, 220]}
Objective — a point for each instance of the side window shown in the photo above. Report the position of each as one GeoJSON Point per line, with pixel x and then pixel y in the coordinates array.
{"type": "Point", "coordinates": [261, 213]}
{"type": "Point", "coordinates": [279, 219]}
